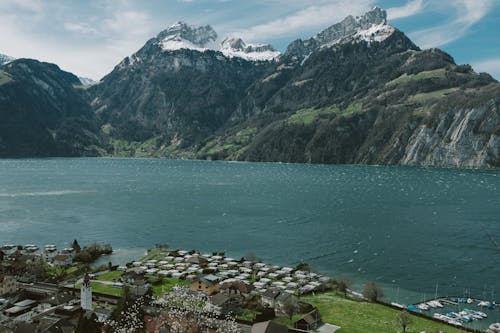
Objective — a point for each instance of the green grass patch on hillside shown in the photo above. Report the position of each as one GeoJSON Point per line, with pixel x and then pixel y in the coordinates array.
{"type": "Point", "coordinates": [405, 78]}
{"type": "Point", "coordinates": [166, 285]}
{"type": "Point", "coordinates": [362, 317]}
{"type": "Point", "coordinates": [307, 116]}
{"type": "Point", "coordinates": [231, 144]}
{"type": "Point", "coordinates": [431, 96]}
{"type": "Point", "coordinates": [123, 148]}
{"type": "Point", "coordinates": [4, 78]}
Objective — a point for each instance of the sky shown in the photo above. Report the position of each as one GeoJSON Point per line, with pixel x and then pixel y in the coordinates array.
{"type": "Point", "coordinates": [90, 37]}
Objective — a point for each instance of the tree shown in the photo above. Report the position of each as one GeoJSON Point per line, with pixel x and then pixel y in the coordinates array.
{"type": "Point", "coordinates": [404, 319]}
{"type": "Point", "coordinates": [76, 246]}
{"type": "Point", "coordinates": [88, 324]}
{"type": "Point", "coordinates": [372, 292]}
{"type": "Point", "coordinates": [343, 285]}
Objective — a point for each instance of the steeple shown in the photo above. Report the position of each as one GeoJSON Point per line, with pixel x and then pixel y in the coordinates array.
{"type": "Point", "coordinates": [86, 293]}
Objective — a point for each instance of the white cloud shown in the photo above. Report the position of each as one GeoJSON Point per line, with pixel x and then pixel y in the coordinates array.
{"type": "Point", "coordinates": [314, 16]}
{"type": "Point", "coordinates": [468, 13]}
{"type": "Point", "coordinates": [411, 8]}
{"type": "Point", "coordinates": [491, 66]}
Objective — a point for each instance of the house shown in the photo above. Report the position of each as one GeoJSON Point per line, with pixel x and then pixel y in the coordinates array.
{"type": "Point", "coordinates": [131, 276]}
{"type": "Point", "coordinates": [225, 303]}
{"type": "Point", "coordinates": [269, 297]}
{"type": "Point", "coordinates": [269, 327]}
{"type": "Point", "coordinates": [63, 260]}
{"type": "Point", "coordinates": [198, 260]}
{"type": "Point", "coordinates": [8, 284]}
{"type": "Point", "coordinates": [309, 322]}
{"type": "Point", "coordinates": [238, 288]}
{"type": "Point", "coordinates": [208, 284]}
{"type": "Point", "coordinates": [139, 287]}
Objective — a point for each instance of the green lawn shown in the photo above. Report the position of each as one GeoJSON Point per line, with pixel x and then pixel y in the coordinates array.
{"type": "Point", "coordinates": [361, 317]}
{"type": "Point", "coordinates": [166, 285]}
{"type": "Point", "coordinates": [113, 276]}
{"type": "Point", "coordinates": [105, 289]}
{"type": "Point", "coordinates": [247, 314]}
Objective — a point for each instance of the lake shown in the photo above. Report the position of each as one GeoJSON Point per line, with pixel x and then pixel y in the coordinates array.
{"type": "Point", "coordinates": [405, 228]}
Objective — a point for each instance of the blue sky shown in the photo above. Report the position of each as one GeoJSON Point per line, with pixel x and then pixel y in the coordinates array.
{"type": "Point", "coordinates": [89, 37]}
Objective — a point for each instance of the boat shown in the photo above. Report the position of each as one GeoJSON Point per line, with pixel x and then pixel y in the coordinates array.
{"type": "Point", "coordinates": [495, 327]}
{"type": "Point", "coordinates": [423, 306]}
{"type": "Point", "coordinates": [482, 314]}
{"type": "Point", "coordinates": [413, 308]}
{"type": "Point", "coordinates": [438, 304]}
{"type": "Point", "coordinates": [431, 304]}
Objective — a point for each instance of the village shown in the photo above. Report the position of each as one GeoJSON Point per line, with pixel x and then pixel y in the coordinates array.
{"type": "Point", "coordinates": [251, 292]}
{"type": "Point", "coordinates": [51, 290]}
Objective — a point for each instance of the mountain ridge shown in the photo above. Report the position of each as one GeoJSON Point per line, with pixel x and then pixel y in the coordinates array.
{"type": "Point", "coordinates": [360, 91]}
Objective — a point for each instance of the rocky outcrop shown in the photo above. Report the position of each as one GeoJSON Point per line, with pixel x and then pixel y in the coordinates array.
{"type": "Point", "coordinates": [464, 137]}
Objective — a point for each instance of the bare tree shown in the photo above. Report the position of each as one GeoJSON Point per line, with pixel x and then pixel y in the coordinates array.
{"type": "Point", "coordinates": [343, 285]}
{"type": "Point", "coordinates": [404, 319]}
{"type": "Point", "coordinates": [372, 292]}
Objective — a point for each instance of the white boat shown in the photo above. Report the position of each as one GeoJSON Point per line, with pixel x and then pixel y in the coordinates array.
{"type": "Point", "coordinates": [482, 314]}
{"type": "Point", "coordinates": [423, 306]}
{"type": "Point", "coordinates": [438, 304]}
{"type": "Point", "coordinates": [431, 304]}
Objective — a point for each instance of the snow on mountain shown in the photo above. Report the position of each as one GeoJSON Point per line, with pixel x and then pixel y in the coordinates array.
{"type": "Point", "coordinates": [5, 59]}
{"type": "Point", "coordinates": [86, 81]}
{"type": "Point", "coordinates": [372, 26]}
{"type": "Point", "coordinates": [183, 36]}
{"type": "Point", "coordinates": [236, 47]}
{"type": "Point", "coordinates": [375, 33]}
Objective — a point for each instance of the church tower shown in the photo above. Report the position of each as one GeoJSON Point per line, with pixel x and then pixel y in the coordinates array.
{"type": "Point", "coordinates": [86, 294]}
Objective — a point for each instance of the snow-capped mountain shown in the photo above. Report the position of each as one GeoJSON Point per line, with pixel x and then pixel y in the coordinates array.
{"type": "Point", "coordinates": [370, 27]}
{"type": "Point", "coordinates": [236, 47]}
{"type": "Point", "coordinates": [86, 81]}
{"type": "Point", "coordinates": [5, 59]}
{"type": "Point", "coordinates": [183, 36]}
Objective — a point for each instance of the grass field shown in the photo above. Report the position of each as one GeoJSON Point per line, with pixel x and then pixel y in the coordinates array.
{"type": "Point", "coordinates": [113, 276]}
{"type": "Point", "coordinates": [166, 285]}
{"type": "Point", "coordinates": [361, 317]}
{"type": "Point", "coordinates": [105, 289]}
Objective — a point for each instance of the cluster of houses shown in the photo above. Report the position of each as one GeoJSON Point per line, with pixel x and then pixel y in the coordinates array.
{"type": "Point", "coordinates": [49, 253]}
{"type": "Point", "coordinates": [228, 283]}
{"type": "Point", "coordinates": [262, 277]}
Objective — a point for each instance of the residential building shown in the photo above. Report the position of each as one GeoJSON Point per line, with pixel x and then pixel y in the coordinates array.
{"type": "Point", "coordinates": [208, 284]}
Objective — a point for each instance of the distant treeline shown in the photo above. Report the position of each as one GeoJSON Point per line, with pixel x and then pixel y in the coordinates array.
{"type": "Point", "coordinates": [92, 252]}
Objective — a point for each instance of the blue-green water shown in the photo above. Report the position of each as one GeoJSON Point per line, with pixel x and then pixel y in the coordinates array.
{"type": "Point", "coordinates": [403, 227]}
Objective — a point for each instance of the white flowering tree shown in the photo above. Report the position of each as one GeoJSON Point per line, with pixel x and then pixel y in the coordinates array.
{"type": "Point", "coordinates": [130, 319]}
{"type": "Point", "coordinates": [188, 312]}
{"type": "Point", "coordinates": [179, 311]}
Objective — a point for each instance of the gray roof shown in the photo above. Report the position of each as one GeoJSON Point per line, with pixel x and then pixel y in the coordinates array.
{"type": "Point", "coordinates": [269, 327]}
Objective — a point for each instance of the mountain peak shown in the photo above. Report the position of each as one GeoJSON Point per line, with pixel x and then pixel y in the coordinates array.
{"type": "Point", "coordinates": [370, 27]}
{"type": "Point", "coordinates": [236, 47]}
{"type": "Point", "coordinates": [184, 36]}
{"type": "Point", "coordinates": [5, 59]}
